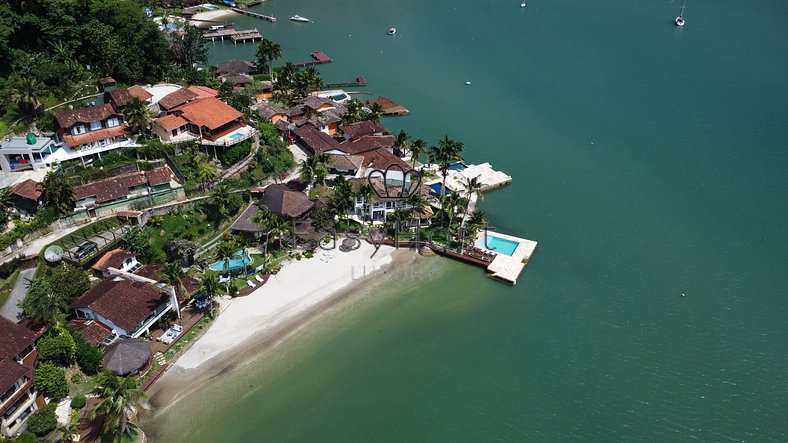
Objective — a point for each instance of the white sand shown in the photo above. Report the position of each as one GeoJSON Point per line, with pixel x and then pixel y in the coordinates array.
{"type": "Point", "coordinates": [217, 15]}
{"type": "Point", "coordinates": [299, 286]}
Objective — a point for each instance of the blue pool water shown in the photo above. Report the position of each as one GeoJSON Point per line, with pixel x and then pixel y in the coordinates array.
{"type": "Point", "coordinates": [458, 166]}
{"type": "Point", "coordinates": [235, 263]}
{"type": "Point", "coordinates": [236, 135]}
{"type": "Point", "coordinates": [436, 188]}
{"type": "Point", "coordinates": [498, 244]}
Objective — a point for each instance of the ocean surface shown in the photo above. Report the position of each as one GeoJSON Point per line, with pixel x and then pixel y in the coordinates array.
{"type": "Point", "coordinates": [648, 162]}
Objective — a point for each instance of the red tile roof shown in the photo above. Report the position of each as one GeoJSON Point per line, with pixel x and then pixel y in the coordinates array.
{"type": "Point", "coordinates": [170, 122]}
{"type": "Point", "coordinates": [382, 159]}
{"type": "Point", "coordinates": [117, 187]}
{"type": "Point", "coordinates": [10, 372]}
{"type": "Point", "coordinates": [119, 97]}
{"type": "Point", "coordinates": [28, 189]}
{"type": "Point", "coordinates": [123, 302]}
{"type": "Point", "coordinates": [177, 98]}
{"type": "Point", "coordinates": [94, 331]}
{"type": "Point", "coordinates": [101, 134]}
{"type": "Point", "coordinates": [367, 143]}
{"type": "Point", "coordinates": [280, 200]}
{"type": "Point", "coordinates": [203, 91]}
{"type": "Point", "coordinates": [14, 338]}
{"type": "Point", "coordinates": [209, 112]}
{"type": "Point", "coordinates": [315, 140]}
{"type": "Point", "coordinates": [158, 176]}
{"type": "Point", "coordinates": [359, 129]}
{"type": "Point", "coordinates": [85, 115]}
{"type": "Point", "coordinates": [236, 67]}
{"type": "Point", "coordinates": [140, 92]}
{"type": "Point", "coordinates": [112, 259]}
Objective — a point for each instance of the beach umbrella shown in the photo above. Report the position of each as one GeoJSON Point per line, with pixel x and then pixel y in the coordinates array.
{"type": "Point", "coordinates": [126, 356]}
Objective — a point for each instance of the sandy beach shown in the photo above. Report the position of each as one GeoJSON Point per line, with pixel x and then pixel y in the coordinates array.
{"type": "Point", "coordinates": [289, 300]}
{"type": "Point", "coordinates": [202, 19]}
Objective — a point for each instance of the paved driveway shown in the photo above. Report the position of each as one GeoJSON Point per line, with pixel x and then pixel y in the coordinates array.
{"type": "Point", "coordinates": [9, 309]}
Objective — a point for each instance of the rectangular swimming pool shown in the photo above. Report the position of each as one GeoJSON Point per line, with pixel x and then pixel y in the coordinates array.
{"type": "Point", "coordinates": [236, 136]}
{"type": "Point", "coordinates": [498, 244]}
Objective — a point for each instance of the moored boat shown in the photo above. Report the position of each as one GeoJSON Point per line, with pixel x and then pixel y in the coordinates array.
{"type": "Point", "coordinates": [392, 31]}
{"type": "Point", "coordinates": [680, 19]}
{"type": "Point", "coordinates": [298, 18]}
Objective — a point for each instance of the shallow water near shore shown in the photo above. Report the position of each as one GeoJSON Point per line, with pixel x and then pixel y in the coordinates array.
{"type": "Point", "coordinates": [648, 162]}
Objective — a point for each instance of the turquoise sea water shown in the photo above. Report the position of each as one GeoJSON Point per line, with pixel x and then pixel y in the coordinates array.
{"type": "Point", "coordinates": [648, 162]}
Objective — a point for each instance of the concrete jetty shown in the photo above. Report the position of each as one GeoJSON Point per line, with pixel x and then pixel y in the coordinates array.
{"type": "Point", "coordinates": [270, 18]}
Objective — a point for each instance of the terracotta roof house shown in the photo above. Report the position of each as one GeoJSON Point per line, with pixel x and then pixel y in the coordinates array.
{"type": "Point", "coordinates": [98, 128]}
{"type": "Point", "coordinates": [203, 91]}
{"type": "Point", "coordinates": [27, 196]}
{"type": "Point", "coordinates": [140, 92]}
{"type": "Point", "coordinates": [122, 187]}
{"type": "Point", "coordinates": [382, 159]}
{"type": "Point", "coordinates": [281, 200]}
{"type": "Point", "coordinates": [125, 305]}
{"type": "Point", "coordinates": [117, 258]}
{"type": "Point", "coordinates": [177, 98]}
{"type": "Point", "coordinates": [345, 164]}
{"type": "Point", "coordinates": [207, 121]}
{"type": "Point", "coordinates": [368, 143]}
{"type": "Point", "coordinates": [360, 129]}
{"type": "Point", "coordinates": [93, 331]}
{"type": "Point", "coordinates": [118, 97]}
{"type": "Point", "coordinates": [236, 67]}
{"type": "Point", "coordinates": [315, 141]}
{"type": "Point", "coordinates": [18, 357]}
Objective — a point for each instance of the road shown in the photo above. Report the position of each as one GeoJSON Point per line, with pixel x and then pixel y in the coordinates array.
{"type": "Point", "coordinates": [9, 309]}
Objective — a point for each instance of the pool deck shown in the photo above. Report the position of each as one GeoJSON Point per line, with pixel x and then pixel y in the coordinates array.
{"type": "Point", "coordinates": [488, 177]}
{"type": "Point", "coordinates": [508, 268]}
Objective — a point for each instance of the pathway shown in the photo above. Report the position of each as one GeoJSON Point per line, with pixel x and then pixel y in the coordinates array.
{"type": "Point", "coordinates": [9, 310]}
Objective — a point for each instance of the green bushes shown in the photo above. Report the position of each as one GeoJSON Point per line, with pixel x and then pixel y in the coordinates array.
{"type": "Point", "coordinates": [43, 421]}
{"type": "Point", "coordinates": [27, 437]}
{"type": "Point", "coordinates": [88, 356]}
{"type": "Point", "coordinates": [57, 349]}
{"type": "Point", "coordinates": [236, 154]}
{"type": "Point", "coordinates": [51, 381]}
{"type": "Point", "coordinates": [42, 219]}
{"type": "Point", "coordinates": [78, 402]}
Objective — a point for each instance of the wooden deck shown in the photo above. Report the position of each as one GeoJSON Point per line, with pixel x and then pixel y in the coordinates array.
{"type": "Point", "coordinates": [318, 58]}
{"type": "Point", "coordinates": [360, 81]}
{"type": "Point", "coordinates": [234, 35]}
{"type": "Point", "coordinates": [270, 18]}
{"type": "Point", "coordinates": [388, 106]}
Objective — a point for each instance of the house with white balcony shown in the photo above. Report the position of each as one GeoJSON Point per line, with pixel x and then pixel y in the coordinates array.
{"type": "Point", "coordinates": [385, 200]}
{"type": "Point", "coordinates": [18, 357]}
{"type": "Point", "coordinates": [26, 153]}
{"type": "Point", "coordinates": [91, 131]}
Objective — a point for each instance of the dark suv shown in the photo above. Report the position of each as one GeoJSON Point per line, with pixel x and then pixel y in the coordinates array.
{"type": "Point", "coordinates": [86, 249]}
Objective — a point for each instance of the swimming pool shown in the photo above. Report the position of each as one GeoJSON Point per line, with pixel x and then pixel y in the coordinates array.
{"type": "Point", "coordinates": [498, 244]}
{"type": "Point", "coordinates": [458, 166]}
{"type": "Point", "coordinates": [234, 263]}
{"type": "Point", "coordinates": [236, 136]}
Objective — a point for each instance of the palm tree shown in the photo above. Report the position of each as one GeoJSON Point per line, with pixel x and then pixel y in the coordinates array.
{"type": "Point", "coordinates": [120, 399]}
{"type": "Point", "coordinates": [25, 92]}
{"type": "Point", "coordinates": [443, 155]}
{"type": "Point", "coordinates": [6, 203]}
{"type": "Point", "coordinates": [402, 142]}
{"type": "Point", "coordinates": [225, 251]}
{"type": "Point", "coordinates": [365, 192]}
{"type": "Point", "coordinates": [280, 228]}
{"type": "Point", "coordinates": [58, 192]}
{"type": "Point", "coordinates": [417, 147]}
{"type": "Point", "coordinates": [220, 200]}
{"type": "Point", "coordinates": [312, 79]}
{"type": "Point", "coordinates": [267, 52]}
{"type": "Point", "coordinates": [135, 240]}
{"type": "Point", "coordinates": [472, 187]}
{"type": "Point", "coordinates": [189, 47]}
{"type": "Point", "coordinates": [397, 218]}
{"type": "Point", "coordinates": [313, 170]}
{"type": "Point", "coordinates": [41, 304]}
{"type": "Point", "coordinates": [210, 286]}
{"type": "Point", "coordinates": [173, 274]}
{"type": "Point", "coordinates": [352, 112]}
{"type": "Point", "coordinates": [136, 114]}
{"type": "Point", "coordinates": [206, 171]}
{"type": "Point", "coordinates": [375, 113]}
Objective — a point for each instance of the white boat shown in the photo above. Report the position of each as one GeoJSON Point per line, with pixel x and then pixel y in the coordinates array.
{"type": "Point", "coordinates": [680, 19]}
{"type": "Point", "coordinates": [392, 31]}
{"type": "Point", "coordinates": [298, 18]}
{"type": "Point", "coordinates": [522, 5]}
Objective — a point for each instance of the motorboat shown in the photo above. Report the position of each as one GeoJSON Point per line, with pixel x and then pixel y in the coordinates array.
{"type": "Point", "coordinates": [522, 5]}
{"type": "Point", "coordinates": [298, 18]}
{"type": "Point", "coordinates": [680, 19]}
{"type": "Point", "coordinates": [392, 31]}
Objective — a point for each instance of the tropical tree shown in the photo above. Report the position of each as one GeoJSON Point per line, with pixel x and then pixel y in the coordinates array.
{"type": "Point", "coordinates": [135, 240]}
{"type": "Point", "coordinates": [313, 170]}
{"type": "Point", "coordinates": [120, 399]}
{"type": "Point", "coordinates": [267, 52]}
{"type": "Point", "coordinates": [472, 187]}
{"type": "Point", "coordinates": [210, 287]}
{"type": "Point", "coordinates": [25, 93]}
{"type": "Point", "coordinates": [417, 147]}
{"type": "Point", "coordinates": [189, 47]}
{"type": "Point", "coordinates": [206, 172]}
{"type": "Point", "coordinates": [173, 275]}
{"type": "Point", "coordinates": [221, 200]}
{"type": "Point", "coordinates": [280, 228]}
{"type": "Point", "coordinates": [225, 252]}
{"type": "Point", "coordinates": [375, 113]}
{"type": "Point", "coordinates": [58, 192]}
{"type": "Point", "coordinates": [342, 197]}
{"type": "Point", "coordinates": [41, 304]}
{"type": "Point", "coordinates": [401, 142]}
{"type": "Point", "coordinates": [397, 218]}
{"type": "Point", "coordinates": [352, 112]}
{"type": "Point", "coordinates": [137, 116]}
{"type": "Point", "coordinates": [366, 193]}
{"type": "Point", "coordinates": [443, 155]}
{"type": "Point", "coordinates": [6, 203]}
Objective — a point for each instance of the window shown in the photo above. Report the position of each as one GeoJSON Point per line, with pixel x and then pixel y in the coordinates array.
{"type": "Point", "coordinates": [102, 143]}
{"type": "Point", "coordinates": [95, 125]}
{"type": "Point", "coordinates": [78, 129]}
{"type": "Point", "coordinates": [112, 122]}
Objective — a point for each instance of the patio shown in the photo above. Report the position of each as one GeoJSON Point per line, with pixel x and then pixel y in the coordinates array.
{"type": "Point", "coordinates": [189, 317]}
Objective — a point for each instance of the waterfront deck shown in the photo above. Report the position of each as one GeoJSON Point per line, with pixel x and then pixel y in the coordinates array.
{"type": "Point", "coordinates": [270, 18]}
{"type": "Point", "coordinates": [508, 268]}
{"type": "Point", "coordinates": [389, 107]}
{"type": "Point", "coordinates": [488, 177]}
{"type": "Point", "coordinates": [236, 36]}
{"type": "Point", "coordinates": [318, 58]}
{"type": "Point", "coordinates": [360, 81]}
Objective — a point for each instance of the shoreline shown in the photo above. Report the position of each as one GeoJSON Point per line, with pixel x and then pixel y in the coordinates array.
{"type": "Point", "coordinates": [248, 327]}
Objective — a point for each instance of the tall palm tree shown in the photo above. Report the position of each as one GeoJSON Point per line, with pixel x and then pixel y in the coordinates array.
{"type": "Point", "coordinates": [279, 228]}
{"type": "Point", "coordinates": [443, 155]}
{"type": "Point", "coordinates": [136, 114]}
{"type": "Point", "coordinates": [41, 304]}
{"type": "Point", "coordinates": [397, 218]}
{"type": "Point", "coordinates": [25, 93]}
{"type": "Point", "coordinates": [313, 170]}
{"type": "Point", "coordinates": [418, 205]}
{"type": "Point", "coordinates": [263, 218]}
{"type": "Point", "coordinates": [120, 399]}
{"type": "Point", "coordinates": [366, 193]}
{"type": "Point", "coordinates": [312, 79]}
{"type": "Point", "coordinates": [375, 113]}
{"type": "Point", "coordinates": [220, 200]}
{"type": "Point", "coordinates": [225, 252]}
{"type": "Point", "coordinates": [417, 147]}
{"type": "Point", "coordinates": [173, 274]}
{"type": "Point", "coordinates": [206, 172]}
{"type": "Point", "coordinates": [210, 287]}
{"type": "Point", "coordinates": [401, 142]}
{"type": "Point", "coordinates": [352, 112]}
{"type": "Point", "coordinates": [58, 192]}
{"type": "Point", "coordinates": [267, 52]}
{"type": "Point", "coordinates": [472, 187]}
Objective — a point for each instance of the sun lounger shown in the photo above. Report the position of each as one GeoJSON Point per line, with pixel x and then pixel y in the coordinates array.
{"type": "Point", "coordinates": [258, 278]}
{"type": "Point", "coordinates": [252, 285]}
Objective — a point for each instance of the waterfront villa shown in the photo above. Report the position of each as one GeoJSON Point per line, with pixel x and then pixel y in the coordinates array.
{"type": "Point", "coordinates": [206, 120]}
{"type": "Point", "coordinates": [124, 187]}
{"type": "Point", "coordinates": [378, 208]}
{"type": "Point", "coordinates": [126, 304]}
{"type": "Point", "coordinates": [278, 199]}
{"type": "Point", "coordinates": [362, 128]}
{"type": "Point", "coordinates": [18, 358]}
{"type": "Point", "coordinates": [236, 67]}
{"type": "Point", "coordinates": [345, 164]}
{"type": "Point", "coordinates": [93, 129]}
{"type": "Point", "coordinates": [26, 153]}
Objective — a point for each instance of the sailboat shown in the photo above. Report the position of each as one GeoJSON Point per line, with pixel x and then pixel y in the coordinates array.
{"type": "Point", "coordinates": [680, 19]}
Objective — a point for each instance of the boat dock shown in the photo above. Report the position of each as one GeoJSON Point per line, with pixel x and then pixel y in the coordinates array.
{"type": "Point", "coordinates": [360, 81]}
{"type": "Point", "coordinates": [270, 18]}
{"type": "Point", "coordinates": [389, 107]}
{"type": "Point", "coordinates": [242, 36]}
{"type": "Point", "coordinates": [318, 58]}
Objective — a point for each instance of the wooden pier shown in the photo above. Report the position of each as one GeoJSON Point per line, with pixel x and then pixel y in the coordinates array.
{"type": "Point", "coordinates": [242, 36]}
{"type": "Point", "coordinates": [319, 58]}
{"type": "Point", "coordinates": [270, 18]}
{"type": "Point", "coordinates": [388, 106]}
{"type": "Point", "coordinates": [360, 81]}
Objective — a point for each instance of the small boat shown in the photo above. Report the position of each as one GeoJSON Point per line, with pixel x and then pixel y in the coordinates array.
{"type": "Point", "coordinates": [468, 83]}
{"type": "Point", "coordinates": [392, 31]}
{"type": "Point", "coordinates": [680, 19]}
{"type": "Point", "coordinates": [522, 5]}
{"type": "Point", "coordinates": [298, 18]}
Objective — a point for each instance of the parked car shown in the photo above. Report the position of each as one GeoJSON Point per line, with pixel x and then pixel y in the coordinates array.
{"type": "Point", "coordinates": [86, 249]}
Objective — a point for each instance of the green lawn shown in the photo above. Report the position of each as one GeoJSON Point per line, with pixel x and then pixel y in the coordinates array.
{"type": "Point", "coordinates": [188, 225]}
{"type": "Point", "coordinates": [6, 285]}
